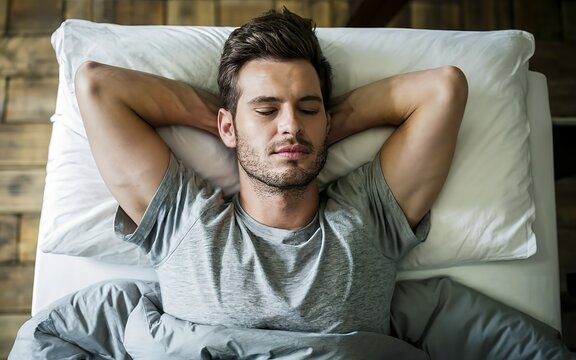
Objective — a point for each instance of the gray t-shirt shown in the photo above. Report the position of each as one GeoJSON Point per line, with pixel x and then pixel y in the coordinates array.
{"type": "Point", "coordinates": [216, 265]}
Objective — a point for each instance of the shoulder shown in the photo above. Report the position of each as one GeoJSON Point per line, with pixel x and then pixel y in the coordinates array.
{"type": "Point", "coordinates": [361, 181]}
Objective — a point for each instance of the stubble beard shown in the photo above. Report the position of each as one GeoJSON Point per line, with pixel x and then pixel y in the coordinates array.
{"type": "Point", "coordinates": [295, 180]}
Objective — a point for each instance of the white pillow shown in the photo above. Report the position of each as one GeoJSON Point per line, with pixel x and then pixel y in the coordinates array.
{"type": "Point", "coordinates": [484, 213]}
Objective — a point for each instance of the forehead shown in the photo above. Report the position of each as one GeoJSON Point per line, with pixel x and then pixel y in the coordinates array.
{"type": "Point", "coordinates": [283, 79]}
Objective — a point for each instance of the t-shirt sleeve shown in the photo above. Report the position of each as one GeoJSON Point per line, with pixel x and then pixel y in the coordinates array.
{"type": "Point", "coordinates": [176, 206]}
{"type": "Point", "coordinates": [365, 190]}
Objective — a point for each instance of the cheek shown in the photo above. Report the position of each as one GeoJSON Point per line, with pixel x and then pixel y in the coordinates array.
{"type": "Point", "coordinates": [251, 135]}
{"type": "Point", "coordinates": [257, 132]}
{"type": "Point", "coordinates": [321, 129]}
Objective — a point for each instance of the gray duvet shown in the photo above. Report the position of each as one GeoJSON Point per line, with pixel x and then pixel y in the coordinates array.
{"type": "Point", "coordinates": [431, 319]}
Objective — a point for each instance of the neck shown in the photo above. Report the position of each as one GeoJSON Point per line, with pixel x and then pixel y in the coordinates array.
{"type": "Point", "coordinates": [289, 209]}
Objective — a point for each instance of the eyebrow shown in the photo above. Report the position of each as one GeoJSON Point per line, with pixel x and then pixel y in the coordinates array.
{"type": "Point", "coordinates": [271, 99]}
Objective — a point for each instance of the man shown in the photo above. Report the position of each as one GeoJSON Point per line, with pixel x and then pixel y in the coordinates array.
{"type": "Point", "coordinates": [280, 254]}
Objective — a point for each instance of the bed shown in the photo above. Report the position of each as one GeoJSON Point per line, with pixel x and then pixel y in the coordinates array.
{"type": "Point", "coordinates": [493, 227]}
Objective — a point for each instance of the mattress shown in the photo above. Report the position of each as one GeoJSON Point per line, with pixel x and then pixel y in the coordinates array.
{"type": "Point", "coordinates": [530, 285]}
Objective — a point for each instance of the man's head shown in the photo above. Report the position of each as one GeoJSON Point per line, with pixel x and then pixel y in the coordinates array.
{"type": "Point", "coordinates": [275, 84]}
{"type": "Point", "coordinates": [280, 127]}
{"type": "Point", "coordinates": [273, 36]}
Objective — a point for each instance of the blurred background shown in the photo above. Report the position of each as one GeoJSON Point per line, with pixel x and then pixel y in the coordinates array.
{"type": "Point", "coordinates": [29, 78]}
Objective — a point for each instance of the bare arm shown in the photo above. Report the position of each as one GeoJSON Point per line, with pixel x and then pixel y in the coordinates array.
{"type": "Point", "coordinates": [427, 106]}
{"type": "Point", "coordinates": [120, 109]}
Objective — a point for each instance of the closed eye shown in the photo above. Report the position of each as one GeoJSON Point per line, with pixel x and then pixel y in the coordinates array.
{"type": "Point", "coordinates": [309, 111]}
{"type": "Point", "coordinates": [265, 112]}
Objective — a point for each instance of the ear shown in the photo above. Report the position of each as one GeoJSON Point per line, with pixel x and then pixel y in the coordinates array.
{"type": "Point", "coordinates": [226, 128]}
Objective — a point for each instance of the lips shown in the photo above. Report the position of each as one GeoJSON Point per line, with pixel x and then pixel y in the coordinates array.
{"type": "Point", "coordinates": [292, 151]}
{"type": "Point", "coordinates": [297, 148]}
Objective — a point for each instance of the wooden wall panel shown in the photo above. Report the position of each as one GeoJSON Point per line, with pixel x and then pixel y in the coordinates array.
{"type": "Point", "coordinates": [433, 14]}
{"type": "Point", "coordinates": [3, 16]}
{"type": "Point", "coordinates": [296, 6]}
{"type": "Point", "coordinates": [27, 56]}
{"type": "Point", "coordinates": [486, 14]}
{"type": "Point", "coordinates": [566, 254]}
{"type": "Point", "coordinates": [374, 13]}
{"type": "Point", "coordinates": [8, 238]}
{"type": "Point", "coordinates": [34, 16]}
{"type": "Point", "coordinates": [565, 205]}
{"type": "Point", "coordinates": [322, 13]}
{"type": "Point", "coordinates": [568, 10]}
{"type": "Point", "coordinates": [21, 191]}
{"type": "Point", "coordinates": [402, 18]}
{"type": "Point", "coordinates": [31, 99]}
{"type": "Point", "coordinates": [3, 85]}
{"type": "Point", "coordinates": [25, 144]}
{"type": "Point", "coordinates": [199, 12]}
{"type": "Point", "coordinates": [16, 294]}
{"type": "Point", "coordinates": [568, 328]}
{"type": "Point", "coordinates": [78, 9]}
{"type": "Point", "coordinates": [557, 60]}
{"type": "Point", "coordinates": [340, 12]}
{"type": "Point", "coordinates": [103, 11]}
{"type": "Point", "coordinates": [129, 12]}
{"type": "Point", "coordinates": [28, 237]}
{"type": "Point", "coordinates": [237, 12]}
{"type": "Point", "coordinates": [139, 12]}
{"type": "Point", "coordinates": [540, 17]}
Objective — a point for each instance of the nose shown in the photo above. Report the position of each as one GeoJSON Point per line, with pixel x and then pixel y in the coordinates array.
{"type": "Point", "coordinates": [289, 123]}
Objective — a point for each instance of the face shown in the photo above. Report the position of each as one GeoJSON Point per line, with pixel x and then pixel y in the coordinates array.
{"type": "Point", "coordinates": [280, 127]}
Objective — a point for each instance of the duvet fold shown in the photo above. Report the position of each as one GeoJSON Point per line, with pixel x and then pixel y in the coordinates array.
{"type": "Point", "coordinates": [123, 320]}
{"type": "Point", "coordinates": [431, 319]}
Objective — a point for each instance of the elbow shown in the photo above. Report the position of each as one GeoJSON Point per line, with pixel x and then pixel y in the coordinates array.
{"type": "Point", "coordinates": [452, 86]}
{"type": "Point", "coordinates": [451, 93]}
{"type": "Point", "coordinates": [85, 79]}
{"type": "Point", "coordinates": [88, 87]}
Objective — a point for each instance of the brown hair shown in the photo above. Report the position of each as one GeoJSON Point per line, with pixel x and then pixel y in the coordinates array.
{"type": "Point", "coordinates": [276, 36]}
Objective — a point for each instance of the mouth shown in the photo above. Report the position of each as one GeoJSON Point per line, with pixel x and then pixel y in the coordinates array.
{"type": "Point", "coordinates": [292, 151]}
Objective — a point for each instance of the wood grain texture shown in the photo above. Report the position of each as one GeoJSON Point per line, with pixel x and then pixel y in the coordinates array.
{"type": "Point", "coordinates": [27, 56]}
{"type": "Point", "coordinates": [296, 6]}
{"type": "Point", "coordinates": [322, 13]}
{"type": "Point", "coordinates": [8, 238]}
{"type": "Point", "coordinates": [569, 20]}
{"type": "Point", "coordinates": [237, 12]}
{"type": "Point", "coordinates": [3, 16]}
{"type": "Point", "coordinates": [566, 204]}
{"type": "Point", "coordinates": [34, 16]}
{"type": "Point", "coordinates": [24, 144]}
{"type": "Point", "coordinates": [3, 83]}
{"type": "Point", "coordinates": [31, 99]}
{"type": "Point", "coordinates": [129, 12]}
{"type": "Point", "coordinates": [557, 60]}
{"type": "Point", "coordinates": [569, 328]}
{"type": "Point", "coordinates": [374, 13]}
{"type": "Point", "coordinates": [429, 14]}
{"type": "Point", "coordinates": [21, 191]}
{"type": "Point", "coordinates": [78, 9]}
{"type": "Point", "coordinates": [16, 294]}
{"type": "Point", "coordinates": [28, 237]}
{"type": "Point", "coordinates": [140, 12]}
{"type": "Point", "coordinates": [540, 17]}
{"type": "Point", "coordinates": [486, 14]}
{"type": "Point", "coordinates": [340, 13]}
{"type": "Point", "coordinates": [200, 12]}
